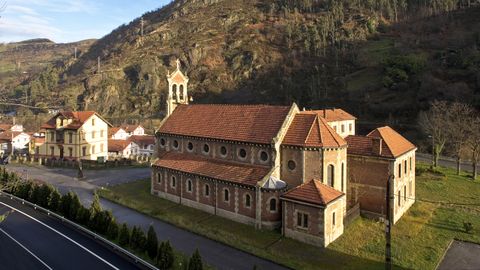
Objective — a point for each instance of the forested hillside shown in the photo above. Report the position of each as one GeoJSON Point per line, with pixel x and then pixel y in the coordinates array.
{"type": "Point", "coordinates": [383, 60]}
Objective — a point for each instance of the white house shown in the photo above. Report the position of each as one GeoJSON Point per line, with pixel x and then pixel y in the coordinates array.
{"type": "Point", "coordinates": [341, 121]}
{"type": "Point", "coordinates": [12, 139]}
{"type": "Point", "coordinates": [134, 130]}
{"type": "Point", "coordinates": [117, 133]}
{"type": "Point", "coordinates": [119, 149]}
{"type": "Point", "coordinates": [142, 145]}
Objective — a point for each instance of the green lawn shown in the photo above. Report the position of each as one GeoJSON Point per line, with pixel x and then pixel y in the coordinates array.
{"type": "Point", "coordinates": [419, 239]}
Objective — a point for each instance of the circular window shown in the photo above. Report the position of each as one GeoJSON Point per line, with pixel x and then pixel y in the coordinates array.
{"type": "Point", "coordinates": [292, 165]}
{"type": "Point", "coordinates": [206, 148]}
{"type": "Point", "coordinates": [223, 151]}
{"type": "Point", "coordinates": [162, 142]}
{"type": "Point", "coordinates": [190, 146]}
{"type": "Point", "coordinates": [175, 144]}
{"type": "Point", "coordinates": [263, 156]}
{"type": "Point", "coordinates": [242, 153]}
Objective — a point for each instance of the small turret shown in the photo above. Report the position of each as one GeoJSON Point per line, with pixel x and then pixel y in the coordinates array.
{"type": "Point", "coordinates": [177, 89]}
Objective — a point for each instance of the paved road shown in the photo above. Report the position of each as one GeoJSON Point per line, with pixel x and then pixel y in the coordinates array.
{"type": "Point", "coordinates": [461, 255]}
{"type": "Point", "coordinates": [446, 162]}
{"type": "Point", "coordinates": [32, 240]}
{"type": "Point", "coordinates": [214, 253]}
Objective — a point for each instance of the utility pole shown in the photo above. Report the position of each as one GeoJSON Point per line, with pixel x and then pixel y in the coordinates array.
{"type": "Point", "coordinates": [388, 227]}
{"type": "Point", "coordinates": [75, 53]}
{"type": "Point", "coordinates": [141, 26]}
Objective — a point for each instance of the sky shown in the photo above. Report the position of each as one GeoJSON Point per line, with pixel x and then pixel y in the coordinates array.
{"type": "Point", "coordinates": [68, 20]}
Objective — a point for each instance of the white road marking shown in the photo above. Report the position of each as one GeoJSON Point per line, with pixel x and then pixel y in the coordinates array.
{"type": "Point", "coordinates": [66, 237]}
{"type": "Point", "coordinates": [31, 253]}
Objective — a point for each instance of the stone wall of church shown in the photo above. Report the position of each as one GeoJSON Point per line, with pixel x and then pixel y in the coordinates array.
{"type": "Point", "coordinates": [229, 151]}
{"type": "Point", "coordinates": [291, 170]}
{"type": "Point", "coordinates": [217, 197]}
{"type": "Point", "coordinates": [311, 232]}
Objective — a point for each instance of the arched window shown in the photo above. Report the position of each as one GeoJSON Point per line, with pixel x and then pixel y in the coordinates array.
{"type": "Point", "coordinates": [181, 92]}
{"type": "Point", "coordinates": [331, 175]}
{"type": "Point", "coordinates": [343, 176]}
{"type": "Point", "coordinates": [273, 205]}
{"type": "Point", "coordinates": [207, 190]}
{"type": "Point", "coordinates": [189, 185]}
{"type": "Point", "coordinates": [174, 91]}
{"type": "Point", "coordinates": [226, 195]}
{"type": "Point", "coordinates": [159, 178]}
{"type": "Point", "coordinates": [248, 200]}
{"type": "Point", "coordinates": [174, 182]}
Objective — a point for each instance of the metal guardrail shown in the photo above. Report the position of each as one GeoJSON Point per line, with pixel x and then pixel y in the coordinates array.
{"type": "Point", "coordinates": [144, 264]}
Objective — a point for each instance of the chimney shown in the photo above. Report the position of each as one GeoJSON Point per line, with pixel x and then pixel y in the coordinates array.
{"type": "Point", "coordinates": [377, 146]}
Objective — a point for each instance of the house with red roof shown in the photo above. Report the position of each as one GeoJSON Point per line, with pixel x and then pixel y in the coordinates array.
{"type": "Point", "coordinates": [267, 166]}
{"type": "Point", "coordinates": [75, 136]}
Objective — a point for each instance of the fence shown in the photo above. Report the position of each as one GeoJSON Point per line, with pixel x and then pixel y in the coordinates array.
{"type": "Point", "coordinates": [116, 248]}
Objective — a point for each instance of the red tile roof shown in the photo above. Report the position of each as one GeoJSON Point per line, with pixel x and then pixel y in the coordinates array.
{"type": "Point", "coordinates": [244, 123]}
{"type": "Point", "coordinates": [130, 128]}
{"type": "Point", "coordinates": [393, 144]}
{"type": "Point", "coordinates": [79, 118]}
{"type": "Point", "coordinates": [113, 130]}
{"type": "Point", "coordinates": [310, 130]}
{"type": "Point", "coordinates": [117, 145]}
{"type": "Point", "coordinates": [5, 127]}
{"type": "Point", "coordinates": [217, 169]}
{"type": "Point", "coordinates": [313, 191]}
{"type": "Point", "coordinates": [7, 135]}
{"type": "Point", "coordinates": [332, 115]}
{"type": "Point", "coordinates": [143, 139]}
{"type": "Point", "coordinates": [396, 143]}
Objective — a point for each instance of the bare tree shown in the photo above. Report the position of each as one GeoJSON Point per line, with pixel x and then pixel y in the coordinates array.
{"type": "Point", "coordinates": [433, 123]}
{"type": "Point", "coordinates": [473, 142]}
{"type": "Point", "coordinates": [458, 126]}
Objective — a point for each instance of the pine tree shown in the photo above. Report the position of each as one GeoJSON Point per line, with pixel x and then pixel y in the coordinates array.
{"type": "Point", "coordinates": [95, 207]}
{"type": "Point", "coordinates": [195, 262]}
{"type": "Point", "coordinates": [74, 206]}
{"type": "Point", "coordinates": [83, 216]}
{"type": "Point", "coordinates": [54, 200]}
{"type": "Point", "coordinates": [64, 207]}
{"type": "Point", "coordinates": [112, 232]}
{"type": "Point", "coordinates": [124, 235]}
{"type": "Point", "coordinates": [35, 194]}
{"type": "Point", "coordinates": [165, 256]}
{"type": "Point", "coordinates": [152, 243]}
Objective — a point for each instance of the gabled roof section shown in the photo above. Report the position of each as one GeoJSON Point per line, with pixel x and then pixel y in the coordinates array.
{"type": "Point", "coordinates": [113, 130]}
{"type": "Point", "coordinates": [396, 143]}
{"type": "Point", "coordinates": [333, 115]}
{"type": "Point", "coordinates": [310, 130]}
{"type": "Point", "coordinates": [363, 146]}
{"type": "Point", "coordinates": [142, 139]}
{"type": "Point", "coordinates": [130, 128]}
{"type": "Point", "coordinates": [242, 123]}
{"type": "Point", "coordinates": [8, 135]}
{"type": "Point", "coordinates": [117, 145]}
{"type": "Point", "coordinates": [246, 174]}
{"type": "Point", "coordinates": [314, 192]}
{"type": "Point", "coordinates": [78, 119]}
{"type": "Point", "coordinates": [177, 76]}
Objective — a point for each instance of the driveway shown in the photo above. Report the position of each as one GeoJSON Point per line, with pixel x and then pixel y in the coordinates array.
{"type": "Point", "coordinates": [461, 255]}
{"type": "Point", "coordinates": [214, 253]}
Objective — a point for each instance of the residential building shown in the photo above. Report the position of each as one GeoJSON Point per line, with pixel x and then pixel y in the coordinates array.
{"type": "Point", "coordinates": [119, 149]}
{"type": "Point", "coordinates": [375, 158]}
{"type": "Point", "coordinates": [11, 127]}
{"type": "Point", "coordinates": [143, 145]}
{"type": "Point", "coordinates": [117, 133]}
{"type": "Point", "coordinates": [75, 135]}
{"type": "Point", "coordinates": [14, 141]}
{"type": "Point", "coordinates": [132, 130]}
{"type": "Point", "coordinates": [341, 121]}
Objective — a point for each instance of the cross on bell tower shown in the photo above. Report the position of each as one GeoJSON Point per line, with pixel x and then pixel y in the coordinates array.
{"type": "Point", "coordinates": [177, 89]}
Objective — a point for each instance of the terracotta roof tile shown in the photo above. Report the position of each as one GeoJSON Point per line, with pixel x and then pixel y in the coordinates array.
{"type": "Point", "coordinates": [5, 127]}
{"type": "Point", "coordinates": [393, 144]}
{"type": "Point", "coordinates": [226, 171]}
{"type": "Point", "coordinates": [130, 128]}
{"type": "Point", "coordinates": [117, 145]}
{"type": "Point", "coordinates": [332, 115]}
{"type": "Point", "coordinates": [143, 139]}
{"type": "Point", "coordinates": [244, 123]}
{"type": "Point", "coordinates": [7, 135]}
{"type": "Point", "coordinates": [313, 191]}
{"type": "Point", "coordinates": [79, 118]}
{"type": "Point", "coordinates": [112, 131]}
{"type": "Point", "coordinates": [310, 130]}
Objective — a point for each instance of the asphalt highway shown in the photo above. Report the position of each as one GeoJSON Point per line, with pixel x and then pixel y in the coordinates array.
{"type": "Point", "coordinates": [32, 240]}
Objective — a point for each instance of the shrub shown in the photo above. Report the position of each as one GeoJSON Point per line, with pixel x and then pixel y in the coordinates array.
{"type": "Point", "coordinates": [152, 243]}
{"type": "Point", "coordinates": [468, 226]}
{"type": "Point", "coordinates": [54, 200]}
{"type": "Point", "coordinates": [124, 235]}
{"type": "Point", "coordinates": [112, 232]}
{"type": "Point", "coordinates": [195, 262]}
{"type": "Point", "coordinates": [165, 256]}
{"type": "Point", "coordinates": [137, 239]}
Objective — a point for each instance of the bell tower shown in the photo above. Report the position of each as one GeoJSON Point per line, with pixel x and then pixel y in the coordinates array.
{"type": "Point", "coordinates": [177, 89]}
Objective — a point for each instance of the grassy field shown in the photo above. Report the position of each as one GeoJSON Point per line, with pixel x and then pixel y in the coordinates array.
{"type": "Point", "coordinates": [419, 239]}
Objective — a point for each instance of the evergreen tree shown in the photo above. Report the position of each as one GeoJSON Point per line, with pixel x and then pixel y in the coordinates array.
{"type": "Point", "coordinates": [124, 235]}
{"type": "Point", "coordinates": [137, 239]}
{"type": "Point", "coordinates": [44, 198]}
{"type": "Point", "coordinates": [74, 206]}
{"type": "Point", "coordinates": [64, 207]}
{"type": "Point", "coordinates": [83, 216]}
{"type": "Point", "coordinates": [95, 207]}
{"type": "Point", "coordinates": [152, 243]}
{"type": "Point", "coordinates": [165, 256]}
{"type": "Point", "coordinates": [54, 200]}
{"type": "Point", "coordinates": [112, 232]}
{"type": "Point", "coordinates": [35, 194]}
{"type": "Point", "coordinates": [195, 262]}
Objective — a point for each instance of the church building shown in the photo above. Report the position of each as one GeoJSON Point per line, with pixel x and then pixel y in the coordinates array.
{"type": "Point", "coordinates": [267, 166]}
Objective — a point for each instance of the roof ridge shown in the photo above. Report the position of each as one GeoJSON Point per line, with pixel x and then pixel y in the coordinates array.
{"type": "Point", "coordinates": [319, 128]}
{"type": "Point", "coordinates": [309, 131]}
{"type": "Point", "coordinates": [330, 130]}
